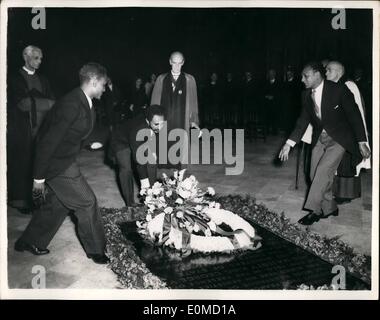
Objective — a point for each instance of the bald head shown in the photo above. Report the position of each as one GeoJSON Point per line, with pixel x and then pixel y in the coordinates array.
{"type": "Point", "coordinates": [177, 54]}
{"type": "Point", "coordinates": [334, 71]}
{"type": "Point", "coordinates": [176, 61]}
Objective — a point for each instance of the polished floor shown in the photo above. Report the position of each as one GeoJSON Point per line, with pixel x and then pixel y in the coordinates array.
{"type": "Point", "coordinates": [68, 267]}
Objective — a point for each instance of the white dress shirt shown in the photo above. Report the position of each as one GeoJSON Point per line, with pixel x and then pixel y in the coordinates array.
{"type": "Point", "coordinates": [318, 97]}
{"type": "Point", "coordinates": [318, 101]}
{"type": "Point", "coordinates": [88, 99]}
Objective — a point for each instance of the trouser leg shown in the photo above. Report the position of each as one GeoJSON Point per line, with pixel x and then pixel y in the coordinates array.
{"type": "Point", "coordinates": [74, 192]}
{"type": "Point", "coordinates": [124, 161]}
{"type": "Point", "coordinates": [45, 221]}
{"type": "Point", "coordinates": [325, 159]}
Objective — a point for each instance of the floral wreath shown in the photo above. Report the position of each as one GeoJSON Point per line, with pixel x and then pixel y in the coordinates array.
{"type": "Point", "coordinates": [182, 216]}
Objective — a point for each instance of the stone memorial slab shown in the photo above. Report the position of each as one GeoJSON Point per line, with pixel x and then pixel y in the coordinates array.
{"type": "Point", "coordinates": [278, 264]}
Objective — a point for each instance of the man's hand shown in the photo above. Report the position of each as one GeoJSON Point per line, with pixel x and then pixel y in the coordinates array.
{"type": "Point", "coordinates": [39, 193]}
{"type": "Point", "coordinates": [284, 153]}
{"type": "Point", "coordinates": [364, 150]}
{"type": "Point", "coordinates": [194, 125]}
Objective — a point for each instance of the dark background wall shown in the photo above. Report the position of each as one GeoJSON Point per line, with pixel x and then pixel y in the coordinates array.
{"type": "Point", "coordinates": [138, 41]}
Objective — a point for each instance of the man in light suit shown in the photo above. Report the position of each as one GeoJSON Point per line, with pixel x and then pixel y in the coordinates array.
{"type": "Point", "coordinates": [337, 128]}
{"type": "Point", "coordinates": [57, 177]}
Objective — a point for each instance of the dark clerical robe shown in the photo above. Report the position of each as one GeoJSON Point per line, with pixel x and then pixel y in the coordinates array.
{"type": "Point", "coordinates": [179, 97]}
{"type": "Point", "coordinates": [29, 99]}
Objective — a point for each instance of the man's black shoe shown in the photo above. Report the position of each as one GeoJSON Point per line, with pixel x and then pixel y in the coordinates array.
{"type": "Point", "coordinates": [335, 213]}
{"type": "Point", "coordinates": [21, 246]}
{"type": "Point", "coordinates": [309, 219]}
{"type": "Point", "coordinates": [99, 258]}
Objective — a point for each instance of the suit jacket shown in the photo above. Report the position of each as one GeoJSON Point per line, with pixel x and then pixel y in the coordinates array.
{"type": "Point", "coordinates": [341, 118]}
{"type": "Point", "coordinates": [124, 136]}
{"type": "Point", "coordinates": [59, 141]}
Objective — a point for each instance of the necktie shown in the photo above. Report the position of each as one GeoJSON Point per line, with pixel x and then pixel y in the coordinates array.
{"type": "Point", "coordinates": [316, 108]}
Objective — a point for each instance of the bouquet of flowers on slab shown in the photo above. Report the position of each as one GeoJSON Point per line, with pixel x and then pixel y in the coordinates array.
{"type": "Point", "coordinates": [182, 216]}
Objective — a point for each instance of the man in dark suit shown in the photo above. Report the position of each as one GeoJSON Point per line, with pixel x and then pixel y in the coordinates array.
{"type": "Point", "coordinates": [125, 145]}
{"type": "Point", "coordinates": [57, 177]}
{"type": "Point", "coordinates": [337, 127]}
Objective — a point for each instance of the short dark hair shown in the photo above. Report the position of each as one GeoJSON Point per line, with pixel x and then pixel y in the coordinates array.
{"type": "Point", "coordinates": [316, 67]}
{"type": "Point", "coordinates": [92, 70]}
{"type": "Point", "coordinates": [155, 110]}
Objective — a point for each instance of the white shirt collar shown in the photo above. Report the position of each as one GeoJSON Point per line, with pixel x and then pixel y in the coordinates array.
{"type": "Point", "coordinates": [88, 99]}
{"type": "Point", "coordinates": [318, 97]}
{"type": "Point", "coordinates": [151, 131]}
{"type": "Point", "coordinates": [175, 75]}
{"type": "Point", "coordinates": [30, 72]}
{"type": "Point", "coordinates": [319, 88]}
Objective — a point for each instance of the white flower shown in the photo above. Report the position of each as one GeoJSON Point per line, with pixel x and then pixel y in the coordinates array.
{"type": "Point", "coordinates": [150, 192]}
{"type": "Point", "coordinates": [171, 182]}
{"type": "Point", "coordinates": [148, 199]}
{"type": "Point", "coordinates": [162, 199]}
{"type": "Point", "coordinates": [156, 192]}
{"type": "Point", "coordinates": [196, 227]}
{"type": "Point", "coordinates": [198, 200]}
{"type": "Point", "coordinates": [211, 191]}
{"type": "Point", "coordinates": [198, 207]}
{"type": "Point", "coordinates": [148, 217]}
{"type": "Point", "coordinates": [157, 185]}
{"type": "Point", "coordinates": [157, 188]}
{"type": "Point", "coordinates": [168, 210]}
{"type": "Point", "coordinates": [187, 184]}
{"type": "Point", "coordinates": [217, 205]}
{"type": "Point", "coordinates": [161, 205]}
{"type": "Point", "coordinates": [179, 201]}
{"type": "Point", "coordinates": [212, 225]}
{"type": "Point", "coordinates": [184, 193]}
{"type": "Point", "coordinates": [140, 224]}
{"type": "Point", "coordinates": [164, 175]}
{"type": "Point", "coordinates": [168, 193]}
{"type": "Point", "coordinates": [176, 174]}
{"type": "Point", "coordinates": [181, 174]}
{"type": "Point", "coordinates": [142, 192]}
{"type": "Point", "coordinates": [151, 207]}
{"type": "Point", "coordinates": [179, 214]}
{"type": "Point", "coordinates": [207, 233]}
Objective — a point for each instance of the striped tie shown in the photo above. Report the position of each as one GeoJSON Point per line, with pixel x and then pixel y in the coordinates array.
{"type": "Point", "coordinates": [316, 108]}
